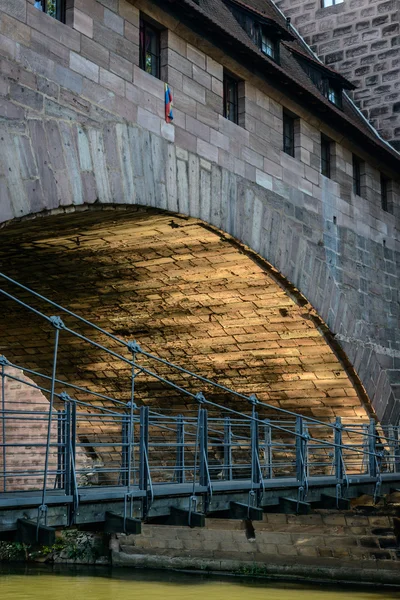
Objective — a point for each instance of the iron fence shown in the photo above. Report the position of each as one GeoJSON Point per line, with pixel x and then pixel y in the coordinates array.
{"type": "Point", "coordinates": [74, 437]}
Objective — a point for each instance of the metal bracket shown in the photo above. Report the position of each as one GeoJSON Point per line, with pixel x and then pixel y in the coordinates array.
{"type": "Point", "coordinates": [57, 322]}
{"type": "Point", "coordinates": [65, 397]}
{"type": "Point", "coordinates": [3, 361]}
{"type": "Point", "coordinates": [200, 398]}
{"type": "Point", "coordinates": [253, 399]}
{"type": "Point", "coordinates": [134, 347]}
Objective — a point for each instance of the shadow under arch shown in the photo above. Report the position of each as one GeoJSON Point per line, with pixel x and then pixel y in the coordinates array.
{"type": "Point", "coordinates": [121, 266]}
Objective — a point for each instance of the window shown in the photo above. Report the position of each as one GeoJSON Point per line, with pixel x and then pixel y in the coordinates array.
{"type": "Point", "coordinates": [329, 88]}
{"type": "Point", "coordinates": [356, 175]}
{"type": "Point", "coordinates": [326, 3]}
{"type": "Point", "coordinates": [384, 193]}
{"type": "Point", "coordinates": [334, 94]}
{"type": "Point", "coordinates": [325, 156]}
{"type": "Point", "coordinates": [150, 48]}
{"type": "Point", "coordinates": [54, 8]}
{"type": "Point", "coordinates": [269, 46]}
{"type": "Point", "coordinates": [288, 133]}
{"type": "Point", "coordinates": [231, 99]}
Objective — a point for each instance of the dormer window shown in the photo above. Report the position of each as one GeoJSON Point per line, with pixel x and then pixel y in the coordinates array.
{"type": "Point", "coordinates": [265, 33]}
{"type": "Point", "coordinates": [327, 85]}
{"type": "Point", "coordinates": [334, 94]}
{"type": "Point", "coordinates": [269, 46]}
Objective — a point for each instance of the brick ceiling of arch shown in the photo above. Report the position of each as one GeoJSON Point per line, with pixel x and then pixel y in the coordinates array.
{"type": "Point", "coordinates": [185, 293]}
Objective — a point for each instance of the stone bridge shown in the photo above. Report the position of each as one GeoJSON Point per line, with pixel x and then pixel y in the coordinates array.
{"type": "Point", "coordinates": [242, 269]}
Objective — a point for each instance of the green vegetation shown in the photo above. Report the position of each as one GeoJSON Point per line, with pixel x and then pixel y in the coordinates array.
{"type": "Point", "coordinates": [13, 551]}
{"type": "Point", "coordinates": [51, 7]}
{"type": "Point", "coordinates": [71, 545]}
{"type": "Point", "coordinates": [253, 570]}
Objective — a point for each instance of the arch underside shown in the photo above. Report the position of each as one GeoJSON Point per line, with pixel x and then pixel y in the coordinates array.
{"type": "Point", "coordinates": [185, 292]}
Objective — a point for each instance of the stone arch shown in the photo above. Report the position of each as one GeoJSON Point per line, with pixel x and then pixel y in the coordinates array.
{"type": "Point", "coordinates": [115, 163]}
{"type": "Point", "coordinates": [186, 292]}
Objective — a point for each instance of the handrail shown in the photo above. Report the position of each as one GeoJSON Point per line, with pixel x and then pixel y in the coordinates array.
{"type": "Point", "coordinates": [135, 348]}
{"type": "Point", "coordinates": [324, 443]}
{"type": "Point", "coordinates": [302, 437]}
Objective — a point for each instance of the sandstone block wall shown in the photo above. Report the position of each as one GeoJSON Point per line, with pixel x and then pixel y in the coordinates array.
{"type": "Point", "coordinates": [186, 294]}
{"type": "Point", "coordinates": [23, 436]}
{"type": "Point", "coordinates": [21, 461]}
{"type": "Point", "coordinates": [321, 535]}
{"type": "Point", "coordinates": [360, 39]}
{"type": "Point", "coordinates": [83, 124]}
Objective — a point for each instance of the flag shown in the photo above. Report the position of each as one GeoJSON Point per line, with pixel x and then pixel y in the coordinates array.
{"type": "Point", "coordinates": [169, 115]}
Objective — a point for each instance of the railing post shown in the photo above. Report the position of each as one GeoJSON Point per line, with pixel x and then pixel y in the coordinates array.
{"type": "Point", "coordinates": [392, 449]}
{"type": "Point", "coordinates": [42, 510]}
{"type": "Point", "coordinates": [372, 448]}
{"type": "Point", "coordinates": [268, 449]}
{"type": "Point", "coordinates": [143, 448]}
{"type": "Point", "coordinates": [228, 474]}
{"type": "Point", "coordinates": [3, 421]}
{"type": "Point", "coordinates": [61, 427]}
{"type": "Point", "coordinates": [67, 450]}
{"type": "Point", "coordinates": [203, 447]}
{"type": "Point", "coordinates": [74, 490]}
{"type": "Point", "coordinates": [180, 450]}
{"type": "Point", "coordinates": [338, 451]}
{"type": "Point", "coordinates": [69, 480]}
{"type": "Point", "coordinates": [134, 348]}
{"type": "Point", "coordinates": [300, 451]}
{"type": "Point", "coordinates": [396, 450]}
{"type": "Point", "coordinates": [125, 450]}
{"type": "Point", "coordinates": [255, 471]}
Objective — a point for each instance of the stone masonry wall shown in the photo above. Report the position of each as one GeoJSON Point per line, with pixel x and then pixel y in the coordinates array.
{"type": "Point", "coordinates": [23, 435]}
{"type": "Point", "coordinates": [360, 39]}
{"type": "Point", "coordinates": [184, 293]}
{"type": "Point", "coordinates": [81, 123]}
{"type": "Point", "coordinates": [21, 463]}
{"type": "Point", "coordinates": [342, 536]}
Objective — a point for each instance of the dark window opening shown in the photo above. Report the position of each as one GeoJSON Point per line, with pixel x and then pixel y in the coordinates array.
{"type": "Point", "coordinates": [384, 193]}
{"type": "Point", "coordinates": [326, 156]}
{"type": "Point", "coordinates": [54, 8]}
{"type": "Point", "coordinates": [231, 99]}
{"type": "Point", "coordinates": [150, 49]}
{"type": "Point", "coordinates": [316, 75]}
{"type": "Point", "coordinates": [265, 36]}
{"type": "Point", "coordinates": [356, 175]}
{"type": "Point", "coordinates": [334, 94]}
{"type": "Point", "coordinates": [330, 89]}
{"type": "Point", "coordinates": [269, 45]}
{"type": "Point", "coordinates": [288, 133]}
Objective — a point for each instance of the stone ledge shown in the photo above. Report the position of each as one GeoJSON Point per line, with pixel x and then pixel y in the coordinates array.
{"type": "Point", "coordinates": [301, 568]}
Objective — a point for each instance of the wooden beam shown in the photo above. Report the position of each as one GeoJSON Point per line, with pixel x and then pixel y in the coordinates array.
{"type": "Point", "coordinates": [117, 524]}
{"type": "Point", "coordinates": [328, 501]}
{"type": "Point", "coordinates": [181, 517]}
{"type": "Point", "coordinates": [29, 533]}
{"type": "Point", "coordinates": [291, 506]}
{"type": "Point", "coordinates": [243, 511]}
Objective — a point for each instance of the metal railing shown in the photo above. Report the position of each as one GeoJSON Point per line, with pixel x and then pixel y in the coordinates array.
{"type": "Point", "coordinates": [75, 438]}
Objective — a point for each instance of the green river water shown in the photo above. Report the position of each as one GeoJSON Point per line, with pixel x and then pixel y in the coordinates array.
{"type": "Point", "coordinates": [27, 583]}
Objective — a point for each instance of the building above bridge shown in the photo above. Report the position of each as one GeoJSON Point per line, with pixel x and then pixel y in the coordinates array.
{"type": "Point", "coordinates": [361, 41]}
